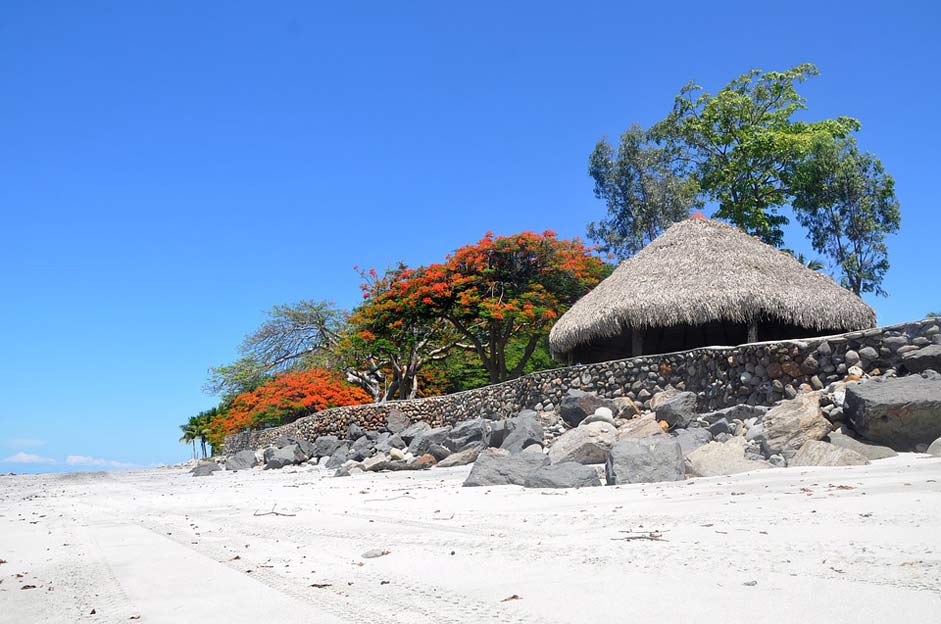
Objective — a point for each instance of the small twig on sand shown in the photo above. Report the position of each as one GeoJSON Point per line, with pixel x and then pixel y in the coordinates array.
{"type": "Point", "coordinates": [273, 512]}
{"type": "Point", "coordinates": [385, 500]}
{"type": "Point", "coordinates": [652, 536]}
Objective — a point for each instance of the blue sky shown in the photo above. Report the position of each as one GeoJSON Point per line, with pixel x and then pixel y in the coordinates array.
{"type": "Point", "coordinates": [170, 170]}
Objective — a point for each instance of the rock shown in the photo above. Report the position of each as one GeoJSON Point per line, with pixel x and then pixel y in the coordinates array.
{"type": "Point", "coordinates": [526, 431]}
{"type": "Point", "coordinates": [898, 412]}
{"type": "Point", "coordinates": [564, 475]}
{"type": "Point", "coordinates": [624, 407]}
{"type": "Point", "coordinates": [740, 412]}
{"type": "Point", "coordinates": [287, 456]}
{"type": "Point", "coordinates": [460, 458]}
{"type": "Point", "coordinates": [408, 434]}
{"type": "Point", "coordinates": [354, 432]}
{"type": "Point", "coordinates": [243, 460]}
{"type": "Point", "coordinates": [396, 421]}
{"type": "Point", "coordinates": [423, 441]}
{"type": "Point", "coordinates": [679, 410]}
{"type": "Point", "coordinates": [438, 451]}
{"type": "Point", "coordinates": [425, 461]}
{"type": "Point", "coordinates": [934, 448]}
{"type": "Point", "coordinates": [388, 441]}
{"type": "Point", "coordinates": [205, 468]}
{"type": "Point", "coordinates": [868, 354]}
{"type": "Point", "coordinates": [396, 454]}
{"type": "Point", "coordinates": [719, 426]}
{"type": "Point", "coordinates": [649, 460]}
{"type": "Point", "coordinates": [578, 405]}
{"type": "Point", "coordinates": [495, 431]}
{"type": "Point", "coordinates": [374, 463]}
{"type": "Point", "coordinates": [602, 414]}
{"type": "Point", "coordinates": [867, 450]}
{"type": "Point", "coordinates": [789, 424]}
{"type": "Point", "coordinates": [585, 444]}
{"type": "Point", "coordinates": [499, 467]}
{"type": "Point", "coordinates": [282, 441]}
{"type": "Point", "coordinates": [375, 552]}
{"type": "Point", "coordinates": [467, 432]}
{"type": "Point", "coordinates": [638, 428]}
{"type": "Point", "coordinates": [716, 459]}
{"type": "Point", "coordinates": [777, 461]}
{"type": "Point", "coordinates": [691, 439]}
{"type": "Point", "coordinates": [362, 448]}
{"type": "Point", "coordinates": [660, 398]}
{"type": "Point", "coordinates": [816, 453]}
{"type": "Point", "coordinates": [926, 358]}
{"type": "Point", "coordinates": [851, 358]}
{"type": "Point", "coordinates": [324, 446]}
{"type": "Point", "coordinates": [338, 457]}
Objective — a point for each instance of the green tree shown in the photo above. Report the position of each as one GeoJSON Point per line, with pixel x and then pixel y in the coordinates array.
{"type": "Point", "coordinates": [190, 434]}
{"type": "Point", "coordinates": [847, 202]}
{"type": "Point", "coordinates": [743, 142]}
{"type": "Point", "coordinates": [645, 189]}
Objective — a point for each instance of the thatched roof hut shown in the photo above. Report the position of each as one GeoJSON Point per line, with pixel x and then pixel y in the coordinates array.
{"type": "Point", "coordinates": [700, 283]}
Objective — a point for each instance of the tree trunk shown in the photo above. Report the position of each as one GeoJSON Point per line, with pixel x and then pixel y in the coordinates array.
{"type": "Point", "coordinates": [194, 448]}
{"type": "Point", "coordinates": [202, 443]}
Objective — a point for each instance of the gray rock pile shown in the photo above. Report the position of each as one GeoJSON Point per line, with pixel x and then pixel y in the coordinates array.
{"type": "Point", "coordinates": [589, 438]}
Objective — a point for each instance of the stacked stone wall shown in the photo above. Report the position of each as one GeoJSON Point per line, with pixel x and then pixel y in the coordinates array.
{"type": "Point", "coordinates": [754, 374]}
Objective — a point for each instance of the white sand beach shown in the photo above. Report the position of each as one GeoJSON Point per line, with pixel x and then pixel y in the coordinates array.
{"type": "Point", "coordinates": [853, 544]}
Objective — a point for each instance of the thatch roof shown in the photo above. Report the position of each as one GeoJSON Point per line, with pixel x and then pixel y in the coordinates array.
{"type": "Point", "coordinates": [701, 270]}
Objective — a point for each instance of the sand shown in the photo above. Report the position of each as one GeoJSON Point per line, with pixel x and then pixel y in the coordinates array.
{"type": "Point", "coordinates": [855, 544]}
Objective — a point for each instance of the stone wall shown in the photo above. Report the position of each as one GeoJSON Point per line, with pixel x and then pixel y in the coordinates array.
{"type": "Point", "coordinates": [756, 374]}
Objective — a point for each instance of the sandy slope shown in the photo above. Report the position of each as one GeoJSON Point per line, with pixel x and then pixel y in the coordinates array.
{"type": "Point", "coordinates": [859, 544]}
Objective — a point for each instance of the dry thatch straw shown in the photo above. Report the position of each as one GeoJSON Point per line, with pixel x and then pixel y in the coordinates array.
{"type": "Point", "coordinates": [701, 270]}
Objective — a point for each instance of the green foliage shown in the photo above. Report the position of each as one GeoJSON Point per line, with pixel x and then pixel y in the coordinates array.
{"type": "Point", "coordinates": [198, 427]}
{"type": "Point", "coordinates": [744, 141]}
{"type": "Point", "coordinates": [463, 370]}
{"type": "Point", "coordinates": [847, 202]}
{"type": "Point", "coordinates": [645, 188]}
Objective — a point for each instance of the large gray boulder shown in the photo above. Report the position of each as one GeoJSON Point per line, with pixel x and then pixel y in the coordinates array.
{"type": "Point", "coordinates": [816, 453]}
{"type": "Point", "coordinates": [716, 459]}
{"type": "Point", "coordinates": [243, 460]}
{"type": "Point", "coordinates": [287, 456]}
{"type": "Point", "coordinates": [648, 460]}
{"type": "Point", "coordinates": [564, 475]}
{"type": "Point", "coordinates": [338, 457]}
{"type": "Point", "coordinates": [461, 458]}
{"type": "Point", "coordinates": [396, 421]}
{"type": "Point", "coordinates": [362, 448]}
{"type": "Point", "coordinates": [691, 439]}
{"type": "Point", "coordinates": [409, 433]}
{"type": "Point", "coordinates": [679, 410]}
{"type": "Point", "coordinates": [926, 358]}
{"type": "Point", "coordinates": [324, 446]}
{"type": "Point", "coordinates": [898, 412]}
{"type": "Point", "coordinates": [422, 442]}
{"type": "Point", "coordinates": [585, 444]}
{"type": "Point", "coordinates": [467, 433]}
{"type": "Point", "coordinates": [388, 441]}
{"type": "Point", "coordinates": [789, 424]}
{"type": "Point", "coordinates": [577, 405]}
{"type": "Point", "coordinates": [205, 468]}
{"type": "Point", "coordinates": [499, 467]}
{"type": "Point", "coordinates": [866, 449]}
{"type": "Point", "coordinates": [526, 431]}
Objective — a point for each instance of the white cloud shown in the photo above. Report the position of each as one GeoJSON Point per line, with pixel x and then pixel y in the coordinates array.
{"type": "Point", "coordinates": [27, 458]}
{"type": "Point", "coordinates": [85, 460]}
{"type": "Point", "coordinates": [24, 443]}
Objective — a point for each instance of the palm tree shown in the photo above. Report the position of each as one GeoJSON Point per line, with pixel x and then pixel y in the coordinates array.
{"type": "Point", "coordinates": [202, 421]}
{"type": "Point", "coordinates": [190, 434]}
{"type": "Point", "coordinates": [812, 264]}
